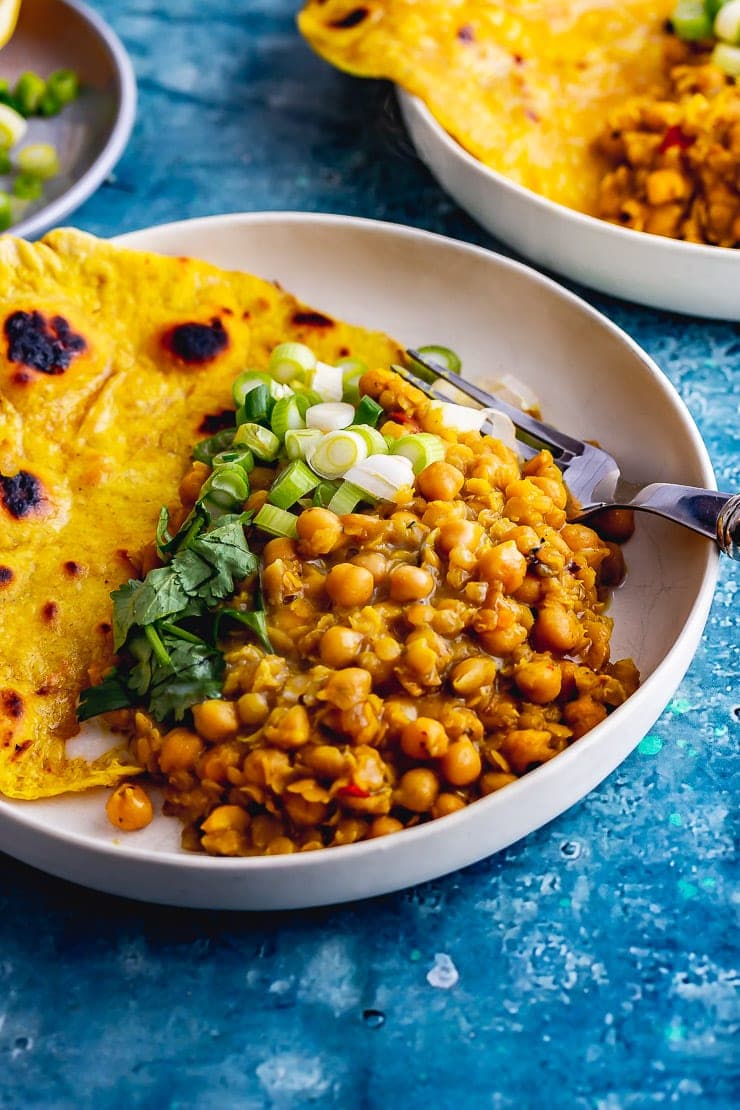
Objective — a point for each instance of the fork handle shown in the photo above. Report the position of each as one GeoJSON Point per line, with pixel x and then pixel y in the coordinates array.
{"type": "Point", "coordinates": [713, 514]}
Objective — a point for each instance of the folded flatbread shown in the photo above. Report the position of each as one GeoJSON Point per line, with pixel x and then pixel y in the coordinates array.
{"type": "Point", "coordinates": [113, 363]}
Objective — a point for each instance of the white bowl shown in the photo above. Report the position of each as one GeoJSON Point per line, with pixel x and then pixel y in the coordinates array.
{"type": "Point", "coordinates": [664, 273]}
{"type": "Point", "coordinates": [592, 380]}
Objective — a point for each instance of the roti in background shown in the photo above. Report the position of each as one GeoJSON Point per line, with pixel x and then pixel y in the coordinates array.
{"type": "Point", "coordinates": [113, 363]}
{"type": "Point", "coordinates": [523, 85]}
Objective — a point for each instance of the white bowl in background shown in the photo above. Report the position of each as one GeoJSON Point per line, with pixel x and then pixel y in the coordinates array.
{"type": "Point", "coordinates": [593, 380]}
{"type": "Point", "coordinates": [650, 269]}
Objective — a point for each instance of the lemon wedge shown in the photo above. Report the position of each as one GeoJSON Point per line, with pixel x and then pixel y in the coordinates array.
{"type": "Point", "coordinates": [8, 18]}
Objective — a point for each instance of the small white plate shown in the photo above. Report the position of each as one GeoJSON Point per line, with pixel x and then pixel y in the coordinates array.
{"type": "Point", "coordinates": [593, 381]}
{"type": "Point", "coordinates": [91, 133]}
{"type": "Point", "coordinates": [650, 269]}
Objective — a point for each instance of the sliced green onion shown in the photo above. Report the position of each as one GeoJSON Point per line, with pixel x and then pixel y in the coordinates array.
{"type": "Point", "coordinates": [6, 211]}
{"type": "Point", "coordinates": [247, 381]}
{"type": "Point", "coordinates": [286, 416]}
{"type": "Point", "coordinates": [421, 450]}
{"type": "Point", "coordinates": [39, 160]}
{"type": "Point", "coordinates": [6, 164]}
{"type": "Point", "coordinates": [330, 416]}
{"type": "Point", "coordinates": [327, 381]}
{"type": "Point", "coordinates": [727, 58]}
{"type": "Point", "coordinates": [12, 126]}
{"type": "Point", "coordinates": [352, 370]}
{"type": "Point", "coordinates": [257, 407]}
{"type": "Point", "coordinates": [368, 412]}
{"type": "Point", "coordinates": [291, 360]}
{"type": "Point", "coordinates": [242, 457]}
{"type": "Point", "coordinates": [352, 367]}
{"type": "Point", "coordinates": [225, 490]}
{"type": "Point", "coordinates": [64, 86]}
{"type": "Point", "coordinates": [263, 443]}
{"type": "Point", "coordinates": [347, 498]}
{"type": "Point", "coordinates": [443, 356]}
{"type": "Point", "coordinates": [376, 444]}
{"type": "Point", "coordinates": [276, 521]}
{"type": "Point", "coordinates": [50, 104]}
{"type": "Point", "coordinates": [207, 448]}
{"type": "Point", "coordinates": [295, 482]}
{"type": "Point", "coordinates": [727, 23]}
{"type": "Point", "coordinates": [691, 20]}
{"type": "Point", "coordinates": [382, 475]}
{"type": "Point", "coordinates": [28, 91]}
{"type": "Point", "coordinates": [336, 453]}
{"type": "Point", "coordinates": [306, 397]}
{"type": "Point", "coordinates": [299, 442]}
{"type": "Point", "coordinates": [324, 492]}
{"type": "Point", "coordinates": [28, 187]}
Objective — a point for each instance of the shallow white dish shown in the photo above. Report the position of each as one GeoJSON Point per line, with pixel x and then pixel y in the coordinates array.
{"type": "Point", "coordinates": [652, 270]}
{"type": "Point", "coordinates": [592, 380]}
{"type": "Point", "coordinates": [90, 134]}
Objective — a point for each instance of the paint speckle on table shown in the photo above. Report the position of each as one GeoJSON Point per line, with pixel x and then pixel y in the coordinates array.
{"type": "Point", "coordinates": [591, 966]}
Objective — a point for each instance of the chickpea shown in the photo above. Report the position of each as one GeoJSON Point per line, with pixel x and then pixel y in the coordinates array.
{"type": "Point", "coordinates": [503, 563]}
{"type": "Point", "coordinates": [373, 561]}
{"type": "Point", "coordinates": [447, 804]}
{"type": "Point", "coordinates": [216, 762]}
{"type": "Point", "coordinates": [461, 764]}
{"type": "Point", "coordinates": [347, 584]}
{"type": "Point", "coordinates": [216, 719]}
{"type": "Point", "coordinates": [424, 738]}
{"type": "Point", "coordinates": [348, 687]}
{"type": "Point", "coordinates": [279, 548]}
{"type": "Point", "coordinates": [495, 780]}
{"type": "Point", "coordinates": [409, 583]}
{"type": "Point", "coordinates": [180, 750]}
{"type": "Point", "coordinates": [472, 674]}
{"type": "Point", "coordinates": [226, 818]}
{"type": "Point", "coordinates": [616, 524]}
{"type": "Point", "coordinates": [440, 481]}
{"type": "Point", "coordinates": [417, 790]}
{"type": "Point", "coordinates": [129, 807]}
{"type": "Point", "coordinates": [583, 714]}
{"type": "Point", "coordinates": [557, 629]}
{"type": "Point", "coordinates": [539, 680]}
{"type": "Point", "coordinates": [303, 812]}
{"type": "Point", "coordinates": [340, 646]}
{"type": "Point", "coordinates": [191, 483]}
{"type": "Point", "coordinates": [319, 531]}
{"type": "Point", "coordinates": [325, 760]}
{"type": "Point", "coordinates": [288, 728]}
{"type": "Point", "coordinates": [382, 826]}
{"type": "Point", "coordinates": [252, 709]}
{"type": "Point", "coordinates": [280, 846]}
{"type": "Point", "coordinates": [459, 533]}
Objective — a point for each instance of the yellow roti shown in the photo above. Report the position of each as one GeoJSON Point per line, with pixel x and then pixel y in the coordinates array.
{"type": "Point", "coordinates": [524, 85]}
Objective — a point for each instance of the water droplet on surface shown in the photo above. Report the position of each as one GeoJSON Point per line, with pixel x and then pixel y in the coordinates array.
{"type": "Point", "coordinates": [373, 1018]}
{"type": "Point", "coordinates": [571, 849]}
{"type": "Point", "coordinates": [443, 973]}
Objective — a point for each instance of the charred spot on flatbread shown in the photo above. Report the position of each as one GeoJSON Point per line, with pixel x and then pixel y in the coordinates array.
{"type": "Point", "coordinates": [73, 569]}
{"type": "Point", "coordinates": [197, 343]}
{"type": "Point", "coordinates": [22, 494]}
{"type": "Point", "coordinates": [214, 422]}
{"type": "Point", "coordinates": [49, 611]}
{"type": "Point", "coordinates": [351, 19]}
{"type": "Point", "coordinates": [6, 576]}
{"type": "Point", "coordinates": [307, 318]}
{"type": "Point", "coordinates": [47, 345]}
{"type": "Point", "coordinates": [11, 704]}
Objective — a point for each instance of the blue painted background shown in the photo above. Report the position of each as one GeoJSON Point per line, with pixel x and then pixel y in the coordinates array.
{"type": "Point", "coordinates": [594, 964]}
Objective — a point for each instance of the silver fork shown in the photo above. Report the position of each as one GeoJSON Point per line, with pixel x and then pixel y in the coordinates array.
{"type": "Point", "coordinates": [592, 476]}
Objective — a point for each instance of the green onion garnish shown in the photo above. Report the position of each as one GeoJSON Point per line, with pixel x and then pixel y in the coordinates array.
{"type": "Point", "coordinates": [6, 164]}
{"type": "Point", "coordinates": [28, 92]}
{"type": "Point", "coordinates": [64, 86]}
{"type": "Point", "coordinates": [207, 448]}
{"type": "Point", "coordinates": [286, 416]}
{"type": "Point", "coordinates": [27, 187]}
{"type": "Point", "coordinates": [247, 381]}
{"type": "Point", "coordinates": [263, 443]}
{"type": "Point", "coordinates": [225, 490]}
{"type": "Point", "coordinates": [347, 498]}
{"type": "Point", "coordinates": [257, 407]}
{"type": "Point", "coordinates": [12, 126]}
{"type": "Point", "coordinates": [368, 412]}
{"type": "Point", "coordinates": [6, 211]}
{"type": "Point", "coordinates": [241, 457]}
{"type": "Point", "coordinates": [291, 360]}
{"type": "Point", "coordinates": [446, 358]}
{"type": "Point", "coordinates": [276, 521]}
{"type": "Point", "coordinates": [727, 58]}
{"type": "Point", "coordinates": [336, 452]}
{"type": "Point", "coordinates": [324, 492]}
{"type": "Point", "coordinates": [293, 483]}
{"type": "Point", "coordinates": [421, 449]}
{"type": "Point", "coordinates": [39, 160]}
{"type": "Point", "coordinates": [691, 20]}
{"type": "Point", "coordinates": [299, 442]}
{"type": "Point", "coordinates": [376, 444]}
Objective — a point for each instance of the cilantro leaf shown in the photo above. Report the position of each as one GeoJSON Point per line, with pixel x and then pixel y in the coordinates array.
{"type": "Point", "coordinates": [112, 693]}
{"type": "Point", "coordinates": [159, 595]}
{"type": "Point", "coordinates": [215, 560]}
{"type": "Point", "coordinates": [195, 675]}
{"type": "Point", "coordinates": [256, 621]}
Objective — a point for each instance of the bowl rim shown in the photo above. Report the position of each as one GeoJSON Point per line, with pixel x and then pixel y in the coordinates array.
{"type": "Point", "coordinates": [21, 813]}
{"type": "Point", "coordinates": [126, 95]}
{"type": "Point", "coordinates": [660, 243]}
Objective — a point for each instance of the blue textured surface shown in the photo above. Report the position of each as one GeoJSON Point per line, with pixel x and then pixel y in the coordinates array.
{"type": "Point", "coordinates": [596, 961]}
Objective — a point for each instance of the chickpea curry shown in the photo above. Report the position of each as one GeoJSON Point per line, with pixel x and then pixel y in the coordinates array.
{"type": "Point", "coordinates": [414, 623]}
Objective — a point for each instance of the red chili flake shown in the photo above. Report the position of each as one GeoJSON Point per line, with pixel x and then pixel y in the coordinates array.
{"type": "Point", "coordinates": [404, 418]}
{"type": "Point", "coordinates": [674, 136]}
{"type": "Point", "coordinates": [352, 790]}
